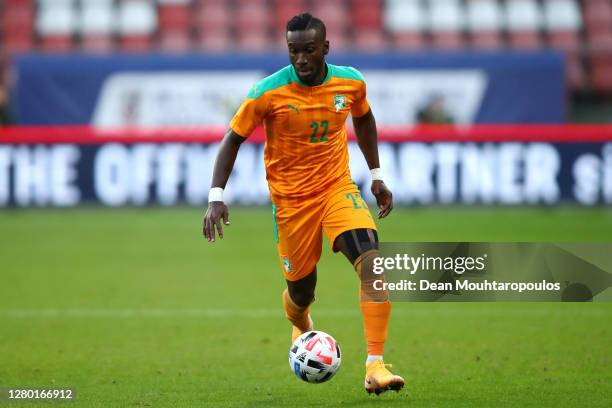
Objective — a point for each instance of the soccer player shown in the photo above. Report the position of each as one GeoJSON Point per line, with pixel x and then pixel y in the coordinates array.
{"type": "Point", "coordinates": [304, 107]}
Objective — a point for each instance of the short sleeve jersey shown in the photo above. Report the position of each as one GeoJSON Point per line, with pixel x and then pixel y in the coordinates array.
{"type": "Point", "coordinates": [306, 142]}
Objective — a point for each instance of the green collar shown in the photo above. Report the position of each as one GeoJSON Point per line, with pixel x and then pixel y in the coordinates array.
{"type": "Point", "coordinates": [295, 78]}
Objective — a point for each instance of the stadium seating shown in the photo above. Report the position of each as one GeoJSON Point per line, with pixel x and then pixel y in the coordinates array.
{"type": "Point", "coordinates": [446, 22]}
{"type": "Point", "coordinates": [563, 23]}
{"type": "Point", "coordinates": [252, 21]}
{"type": "Point", "coordinates": [485, 20]}
{"type": "Point", "coordinates": [96, 25]}
{"type": "Point", "coordinates": [18, 26]}
{"type": "Point", "coordinates": [366, 14]}
{"type": "Point", "coordinates": [580, 29]}
{"type": "Point", "coordinates": [524, 22]}
{"type": "Point", "coordinates": [137, 22]}
{"type": "Point", "coordinates": [406, 21]}
{"type": "Point", "coordinates": [56, 23]}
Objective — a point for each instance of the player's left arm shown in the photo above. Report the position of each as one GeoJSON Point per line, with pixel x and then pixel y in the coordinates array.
{"type": "Point", "coordinates": [367, 138]}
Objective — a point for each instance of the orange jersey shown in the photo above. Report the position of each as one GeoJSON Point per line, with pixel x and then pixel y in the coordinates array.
{"type": "Point", "coordinates": [306, 142]}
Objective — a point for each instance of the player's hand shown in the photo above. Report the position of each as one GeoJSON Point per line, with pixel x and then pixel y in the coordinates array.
{"type": "Point", "coordinates": [384, 198]}
{"type": "Point", "coordinates": [216, 211]}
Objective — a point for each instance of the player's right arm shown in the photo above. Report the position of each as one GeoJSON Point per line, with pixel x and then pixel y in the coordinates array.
{"type": "Point", "coordinates": [250, 114]}
{"type": "Point", "coordinates": [217, 210]}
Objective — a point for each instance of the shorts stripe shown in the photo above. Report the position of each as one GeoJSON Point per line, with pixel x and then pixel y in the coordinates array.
{"type": "Point", "coordinates": [274, 221]}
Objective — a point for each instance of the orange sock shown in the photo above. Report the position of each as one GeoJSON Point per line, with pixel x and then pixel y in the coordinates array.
{"type": "Point", "coordinates": [375, 306]}
{"type": "Point", "coordinates": [297, 315]}
{"type": "Point", "coordinates": [375, 323]}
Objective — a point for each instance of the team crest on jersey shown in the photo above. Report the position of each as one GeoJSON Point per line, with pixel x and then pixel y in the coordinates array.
{"type": "Point", "coordinates": [287, 265]}
{"type": "Point", "coordinates": [339, 102]}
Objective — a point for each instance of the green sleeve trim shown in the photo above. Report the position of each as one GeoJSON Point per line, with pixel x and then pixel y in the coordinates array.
{"type": "Point", "coordinates": [347, 73]}
{"type": "Point", "coordinates": [276, 80]}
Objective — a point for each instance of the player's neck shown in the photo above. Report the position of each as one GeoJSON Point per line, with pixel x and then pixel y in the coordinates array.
{"type": "Point", "coordinates": [321, 77]}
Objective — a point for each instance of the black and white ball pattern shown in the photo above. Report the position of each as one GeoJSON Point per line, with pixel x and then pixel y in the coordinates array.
{"type": "Point", "coordinates": [314, 357]}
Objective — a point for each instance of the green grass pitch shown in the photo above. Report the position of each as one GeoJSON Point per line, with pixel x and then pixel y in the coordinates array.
{"type": "Point", "coordinates": [131, 307]}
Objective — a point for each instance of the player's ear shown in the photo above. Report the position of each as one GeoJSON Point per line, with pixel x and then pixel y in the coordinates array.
{"type": "Point", "coordinates": [325, 47]}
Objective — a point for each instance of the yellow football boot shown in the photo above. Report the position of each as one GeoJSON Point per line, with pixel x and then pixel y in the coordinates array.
{"type": "Point", "coordinates": [379, 379]}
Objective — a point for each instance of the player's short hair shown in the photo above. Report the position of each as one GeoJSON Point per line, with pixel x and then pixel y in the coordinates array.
{"type": "Point", "coordinates": [306, 21]}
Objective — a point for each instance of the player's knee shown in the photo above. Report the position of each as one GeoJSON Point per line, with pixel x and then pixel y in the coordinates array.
{"type": "Point", "coordinates": [302, 291]}
{"type": "Point", "coordinates": [302, 296]}
{"type": "Point", "coordinates": [364, 266]}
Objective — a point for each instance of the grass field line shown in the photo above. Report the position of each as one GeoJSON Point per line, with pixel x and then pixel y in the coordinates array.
{"type": "Point", "coordinates": [520, 310]}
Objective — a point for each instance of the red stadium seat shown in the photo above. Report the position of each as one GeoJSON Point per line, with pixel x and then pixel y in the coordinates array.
{"type": "Point", "coordinates": [278, 43]}
{"type": "Point", "coordinates": [207, 3]}
{"type": "Point", "coordinates": [215, 41]}
{"type": "Point", "coordinates": [366, 14]}
{"type": "Point", "coordinates": [486, 40]}
{"type": "Point", "coordinates": [174, 17]}
{"type": "Point", "coordinates": [318, 3]}
{"type": "Point", "coordinates": [284, 11]}
{"type": "Point", "coordinates": [564, 40]}
{"type": "Point", "coordinates": [9, 4]}
{"type": "Point", "coordinates": [18, 18]}
{"type": "Point", "coordinates": [136, 43]}
{"type": "Point", "coordinates": [447, 40]}
{"type": "Point", "coordinates": [175, 41]}
{"type": "Point", "coordinates": [97, 43]}
{"type": "Point", "coordinates": [56, 43]}
{"type": "Point", "coordinates": [338, 39]}
{"type": "Point", "coordinates": [525, 40]}
{"type": "Point", "coordinates": [370, 40]}
{"type": "Point", "coordinates": [251, 17]}
{"type": "Point", "coordinates": [569, 42]}
{"type": "Point", "coordinates": [366, 3]}
{"type": "Point", "coordinates": [408, 41]}
{"type": "Point", "coordinates": [601, 72]}
{"type": "Point", "coordinates": [252, 3]}
{"type": "Point", "coordinates": [598, 25]}
{"type": "Point", "coordinates": [575, 72]}
{"type": "Point", "coordinates": [253, 42]}
{"type": "Point", "coordinates": [18, 43]}
{"type": "Point", "coordinates": [18, 28]}
{"type": "Point", "coordinates": [213, 18]}
{"type": "Point", "coordinates": [597, 14]}
{"type": "Point", "coordinates": [334, 14]}
{"type": "Point", "coordinates": [600, 39]}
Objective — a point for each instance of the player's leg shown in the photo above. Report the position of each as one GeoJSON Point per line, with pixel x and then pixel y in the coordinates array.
{"type": "Point", "coordinates": [349, 226]}
{"type": "Point", "coordinates": [299, 238]}
{"type": "Point", "coordinates": [360, 247]}
{"type": "Point", "coordinates": [296, 300]}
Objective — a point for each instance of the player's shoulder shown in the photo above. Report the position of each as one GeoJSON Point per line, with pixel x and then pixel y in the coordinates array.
{"type": "Point", "coordinates": [278, 79]}
{"type": "Point", "coordinates": [346, 72]}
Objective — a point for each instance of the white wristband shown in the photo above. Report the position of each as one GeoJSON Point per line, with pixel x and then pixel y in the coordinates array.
{"type": "Point", "coordinates": [376, 174]}
{"type": "Point", "coordinates": [215, 194]}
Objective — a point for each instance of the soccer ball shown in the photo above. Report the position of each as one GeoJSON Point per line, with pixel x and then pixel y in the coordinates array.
{"type": "Point", "coordinates": [314, 357]}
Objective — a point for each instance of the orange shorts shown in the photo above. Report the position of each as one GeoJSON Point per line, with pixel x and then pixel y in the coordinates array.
{"type": "Point", "coordinates": [299, 228]}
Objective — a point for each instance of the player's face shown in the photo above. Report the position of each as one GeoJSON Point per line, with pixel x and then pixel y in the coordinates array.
{"type": "Point", "coordinates": [307, 51]}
